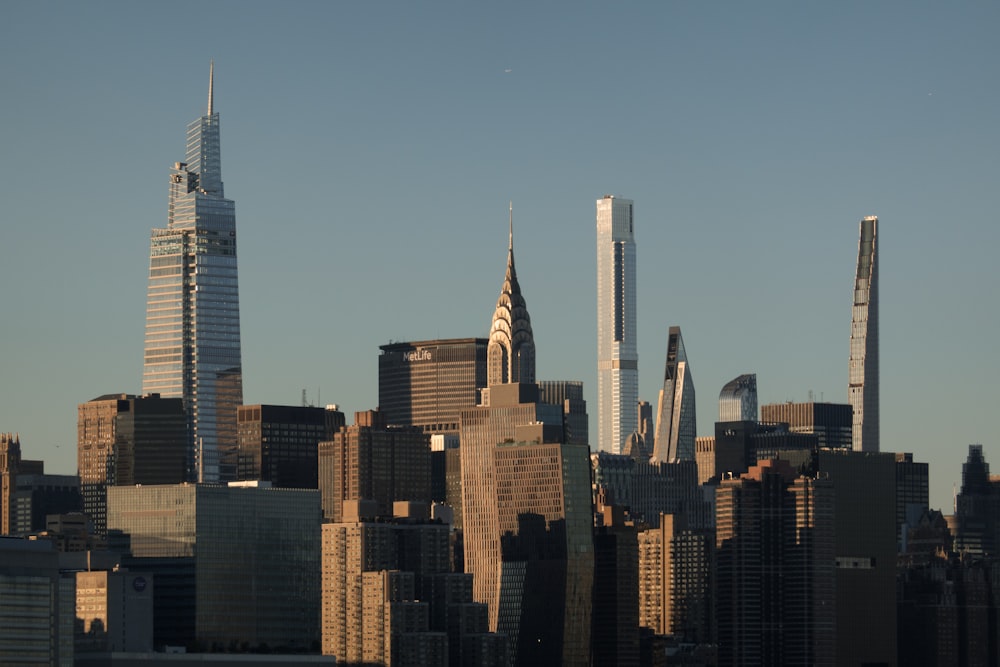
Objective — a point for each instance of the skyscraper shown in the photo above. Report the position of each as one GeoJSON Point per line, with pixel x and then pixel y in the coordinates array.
{"type": "Point", "coordinates": [864, 489]}
{"type": "Point", "coordinates": [373, 460]}
{"type": "Point", "coordinates": [510, 354]}
{"type": "Point", "coordinates": [252, 553]}
{"type": "Point", "coordinates": [525, 502]}
{"type": "Point", "coordinates": [830, 422]}
{"type": "Point", "coordinates": [124, 440]}
{"type": "Point", "coordinates": [617, 354]}
{"type": "Point", "coordinates": [192, 348]}
{"type": "Point", "coordinates": [863, 387]}
{"type": "Point", "coordinates": [280, 443]}
{"type": "Point", "coordinates": [676, 424]}
{"type": "Point", "coordinates": [426, 383]}
{"type": "Point", "coordinates": [738, 399]}
{"type": "Point", "coordinates": [775, 568]}
{"type": "Point", "coordinates": [10, 463]}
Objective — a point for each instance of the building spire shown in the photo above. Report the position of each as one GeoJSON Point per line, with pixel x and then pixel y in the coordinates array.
{"type": "Point", "coordinates": [511, 349]}
{"type": "Point", "coordinates": [211, 82]}
{"type": "Point", "coordinates": [510, 243]}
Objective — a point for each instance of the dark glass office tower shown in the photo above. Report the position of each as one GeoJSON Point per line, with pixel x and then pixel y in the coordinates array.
{"type": "Point", "coordinates": [192, 348]}
{"type": "Point", "coordinates": [427, 383]}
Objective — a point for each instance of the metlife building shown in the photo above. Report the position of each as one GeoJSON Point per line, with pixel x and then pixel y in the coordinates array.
{"type": "Point", "coordinates": [427, 383]}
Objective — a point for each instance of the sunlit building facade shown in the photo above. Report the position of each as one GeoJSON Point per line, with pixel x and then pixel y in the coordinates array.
{"type": "Point", "coordinates": [10, 463]}
{"type": "Point", "coordinates": [192, 347]}
{"type": "Point", "coordinates": [510, 353]}
{"type": "Point", "coordinates": [863, 388]}
{"type": "Point", "coordinates": [617, 352]}
{"type": "Point", "coordinates": [676, 423]}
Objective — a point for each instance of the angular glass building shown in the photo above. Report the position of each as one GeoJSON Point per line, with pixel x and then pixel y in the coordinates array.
{"type": "Point", "coordinates": [617, 354]}
{"type": "Point", "coordinates": [863, 387]}
{"type": "Point", "coordinates": [738, 399]}
{"type": "Point", "coordinates": [676, 425]}
{"type": "Point", "coordinates": [192, 347]}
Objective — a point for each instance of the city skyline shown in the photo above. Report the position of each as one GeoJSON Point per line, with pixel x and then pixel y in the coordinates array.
{"type": "Point", "coordinates": [755, 139]}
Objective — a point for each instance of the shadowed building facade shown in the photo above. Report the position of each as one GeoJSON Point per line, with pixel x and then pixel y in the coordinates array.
{"type": "Point", "coordinates": [39, 495]}
{"type": "Point", "coordinates": [675, 580]}
{"type": "Point", "coordinates": [124, 440]}
{"type": "Point", "coordinates": [775, 569]}
{"type": "Point", "coordinates": [427, 383]}
{"type": "Point", "coordinates": [243, 561]}
{"type": "Point", "coordinates": [279, 443]}
{"type": "Point", "coordinates": [864, 486]}
{"type": "Point", "coordinates": [192, 347]}
{"type": "Point", "coordinates": [372, 460]}
{"type": "Point", "coordinates": [831, 423]}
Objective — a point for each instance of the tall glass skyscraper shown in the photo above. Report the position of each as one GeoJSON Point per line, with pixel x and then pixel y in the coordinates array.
{"type": "Point", "coordinates": [192, 345]}
{"type": "Point", "coordinates": [617, 354]}
{"type": "Point", "coordinates": [863, 387]}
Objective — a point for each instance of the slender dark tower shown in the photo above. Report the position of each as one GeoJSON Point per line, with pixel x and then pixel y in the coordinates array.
{"type": "Point", "coordinates": [192, 346]}
{"type": "Point", "coordinates": [863, 387]}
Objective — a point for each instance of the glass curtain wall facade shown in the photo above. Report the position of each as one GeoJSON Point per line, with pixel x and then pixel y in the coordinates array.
{"type": "Point", "coordinates": [192, 346]}
{"type": "Point", "coordinates": [676, 424]}
{"type": "Point", "coordinates": [863, 387]}
{"type": "Point", "coordinates": [738, 399]}
{"type": "Point", "coordinates": [617, 353]}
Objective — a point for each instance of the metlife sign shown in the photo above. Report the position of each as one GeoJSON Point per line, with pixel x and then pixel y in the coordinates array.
{"type": "Point", "coordinates": [422, 354]}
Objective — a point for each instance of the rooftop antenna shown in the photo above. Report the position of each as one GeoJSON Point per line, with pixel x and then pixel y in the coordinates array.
{"type": "Point", "coordinates": [211, 82]}
{"type": "Point", "coordinates": [510, 242]}
{"type": "Point", "coordinates": [305, 403]}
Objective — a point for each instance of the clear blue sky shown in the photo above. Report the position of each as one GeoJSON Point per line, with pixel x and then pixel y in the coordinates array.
{"type": "Point", "coordinates": [371, 149]}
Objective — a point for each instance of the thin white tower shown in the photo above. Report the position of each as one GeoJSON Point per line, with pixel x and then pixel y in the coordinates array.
{"type": "Point", "coordinates": [863, 383]}
{"type": "Point", "coordinates": [617, 353]}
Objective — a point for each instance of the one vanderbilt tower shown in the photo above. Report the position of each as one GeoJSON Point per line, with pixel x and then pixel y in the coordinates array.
{"type": "Point", "coordinates": [617, 355]}
{"type": "Point", "coordinates": [192, 345]}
